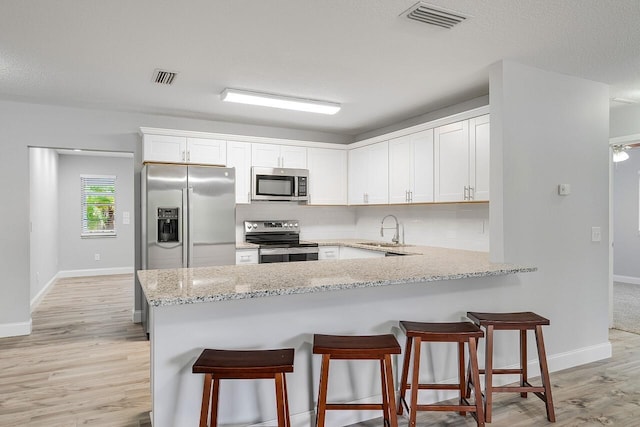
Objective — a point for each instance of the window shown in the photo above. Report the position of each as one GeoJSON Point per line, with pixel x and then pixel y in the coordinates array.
{"type": "Point", "coordinates": [98, 198]}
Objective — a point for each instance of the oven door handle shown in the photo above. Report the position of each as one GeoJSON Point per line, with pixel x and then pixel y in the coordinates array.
{"type": "Point", "coordinates": [289, 251]}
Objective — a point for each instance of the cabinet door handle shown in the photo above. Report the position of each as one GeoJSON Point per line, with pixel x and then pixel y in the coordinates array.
{"type": "Point", "coordinates": [410, 196]}
{"type": "Point", "coordinates": [245, 258]}
{"type": "Point", "coordinates": [188, 156]}
{"type": "Point", "coordinates": [472, 193]}
{"type": "Point", "coordinates": [184, 157]}
{"type": "Point", "coordinates": [466, 192]}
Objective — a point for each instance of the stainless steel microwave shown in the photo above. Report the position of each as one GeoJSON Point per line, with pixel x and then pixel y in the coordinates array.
{"type": "Point", "coordinates": [279, 184]}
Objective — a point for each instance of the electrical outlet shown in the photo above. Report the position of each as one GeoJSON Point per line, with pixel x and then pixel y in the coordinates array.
{"type": "Point", "coordinates": [596, 234]}
{"type": "Point", "coordinates": [96, 257]}
{"type": "Point", "coordinates": [564, 189]}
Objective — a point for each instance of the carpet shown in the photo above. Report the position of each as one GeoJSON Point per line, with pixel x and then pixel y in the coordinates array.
{"type": "Point", "coordinates": [626, 307]}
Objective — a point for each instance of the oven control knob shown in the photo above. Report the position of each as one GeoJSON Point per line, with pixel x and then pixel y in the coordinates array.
{"type": "Point", "coordinates": [249, 226]}
{"type": "Point", "coordinates": [255, 225]}
{"type": "Point", "coordinates": [296, 224]}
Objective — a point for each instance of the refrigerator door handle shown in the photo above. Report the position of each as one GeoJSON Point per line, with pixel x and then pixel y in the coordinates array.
{"type": "Point", "coordinates": [185, 227]}
{"type": "Point", "coordinates": [190, 222]}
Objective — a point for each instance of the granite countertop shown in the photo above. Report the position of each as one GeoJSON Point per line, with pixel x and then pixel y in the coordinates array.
{"type": "Point", "coordinates": [230, 282]}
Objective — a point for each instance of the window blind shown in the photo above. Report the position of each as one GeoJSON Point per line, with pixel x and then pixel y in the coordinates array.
{"type": "Point", "coordinates": [98, 204]}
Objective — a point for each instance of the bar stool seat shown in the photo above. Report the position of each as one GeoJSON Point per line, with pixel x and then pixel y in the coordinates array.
{"type": "Point", "coordinates": [520, 321]}
{"type": "Point", "coordinates": [243, 364]}
{"type": "Point", "coordinates": [453, 332]}
{"type": "Point", "coordinates": [357, 347]}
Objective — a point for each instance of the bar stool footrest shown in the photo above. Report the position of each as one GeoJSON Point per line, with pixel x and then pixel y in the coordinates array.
{"type": "Point", "coordinates": [436, 387]}
{"type": "Point", "coordinates": [352, 406]}
{"type": "Point", "coordinates": [447, 408]}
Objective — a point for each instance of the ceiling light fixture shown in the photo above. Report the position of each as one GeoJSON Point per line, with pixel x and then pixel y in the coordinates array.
{"type": "Point", "coordinates": [619, 153]}
{"type": "Point", "coordinates": [279, 101]}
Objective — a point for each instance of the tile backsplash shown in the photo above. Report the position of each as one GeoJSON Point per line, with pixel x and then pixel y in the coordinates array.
{"type": "Point", "coordinates": [460, 226]}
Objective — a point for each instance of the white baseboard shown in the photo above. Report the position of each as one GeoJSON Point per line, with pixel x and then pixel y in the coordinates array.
{"type": "Point", "coordinates": [95, 272]}
{"type": "Point", "coordinates": [45, 289]}
{"type": "Point", "coordinates": [556, 362]}
{"type": "Point", "coordinates": [15, 329]}
{"type": "Point", "coordinates": [626, 279]}
{"type": "Point", "coordinates": [136, 316]}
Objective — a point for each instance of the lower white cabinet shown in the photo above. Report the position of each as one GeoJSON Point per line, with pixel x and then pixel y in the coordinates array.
{"type": "Point", "coordinates": [328, 252]}
{"type": "Point", "coordinates": [347, 252]}
{"type": "Point", "coordinates": [246, 256]}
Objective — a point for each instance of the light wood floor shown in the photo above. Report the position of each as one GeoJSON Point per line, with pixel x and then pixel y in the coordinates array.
{"type": "Point", "coordinates": [86, 364]}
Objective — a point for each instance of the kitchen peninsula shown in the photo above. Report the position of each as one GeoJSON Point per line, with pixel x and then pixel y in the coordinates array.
{"type": "Point", "coordinates": [284, 304]}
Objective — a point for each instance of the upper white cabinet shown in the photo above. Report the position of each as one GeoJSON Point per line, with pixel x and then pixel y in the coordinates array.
{"type": "Point", "coordinates": [479, 140]}
{"type": "Point", "coordinates": [462, 161]}
{"type": "Point", "coordinates": [239, 157]}
{"type": "Point", "coordinates": [179, 149]}
{"type": "Point", "coordinates": [279, 156]}
{"type": "Point", "coordinates": [164, 148]}
{"type": "Point", "coordinates": [411, 168]}
{"type": "Point", "coordinates": [206, 151]}
{"type": "Point", "coordinates": [369, 174]}
{"type": "Point", "coordinates": [327, 176]}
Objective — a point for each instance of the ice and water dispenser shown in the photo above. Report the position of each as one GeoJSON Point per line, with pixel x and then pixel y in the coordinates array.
{"type": "Point", "coordinates": [167, 225]}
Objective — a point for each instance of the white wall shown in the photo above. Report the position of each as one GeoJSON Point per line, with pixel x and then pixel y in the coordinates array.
{"type": "Point", "coordinates": [23, 125]}
{"type": "Point", "coordinates": [76, 253]}
{"type": "Point", "coordinates": [625, 120]}
{"type": "Point", "coordinates": [547, 129]}
{"type": "Point", "coordinates": [43, 190]}
{"type": "Point", "coordinates": [626, 237]}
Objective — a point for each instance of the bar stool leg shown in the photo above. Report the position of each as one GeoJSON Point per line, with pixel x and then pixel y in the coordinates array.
{"type": "Point", "coordinates": [280, 400]}
{"type": "Point", "coordinates": [206, 399]}
{"type": "Point", "coordinates": [286, 400]}
{"type": "Point", "coordinates": [523, 361]}
{"type": "Point", "coordinates": [385, 396]}
{"type": "Point", "coordinates": [388, 379]}
{"type": "Point", "coordinates": [461, 376]}
{"type": "Point", "coordinates": [405, 374]}
{"type": "Point", "coordinates": [544, 374]}
{"type": "Point", "coordinates": [415, 382]}
{"type": "Point", "coordinates": [322, 394]}
{"type": "Point", "coordinates": [474, 372]}
{"type": "Point", "coordinates": [488, 377]}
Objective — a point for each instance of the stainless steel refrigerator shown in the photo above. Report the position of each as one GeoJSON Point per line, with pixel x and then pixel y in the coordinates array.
{"type": "Point", "coordinates": [188, 217]}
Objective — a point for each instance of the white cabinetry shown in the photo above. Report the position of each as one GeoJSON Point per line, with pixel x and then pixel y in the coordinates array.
{"type": "Point", "coordinates": [479, 139]}
{"type": "Point", "coordinates": [369, 174]}
{"type": "Point", "coordinates": [328, 252]}
{"type": "Point", "coordinates": [327, 176]}
{"type": "Point", "coordinates": [206, 151]}
{"type": "Point", "coordinates": [462, 161]}
{"type": "Point", "coordinates": [279, 156]}
{"type": "Point", "coordinates": [239, 157]}
{"type": "Point", "coordinates": [246, 256]}
{"type": "Point", "coordinates": [411, 168]}
{"type": "Point", "coordinates": [347, 252]}
{"type": "Point", "coordinates": [179, 149]}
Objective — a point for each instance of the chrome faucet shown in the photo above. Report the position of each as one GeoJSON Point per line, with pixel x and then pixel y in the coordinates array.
{"type": "Point", "coordinates": [396, 237]}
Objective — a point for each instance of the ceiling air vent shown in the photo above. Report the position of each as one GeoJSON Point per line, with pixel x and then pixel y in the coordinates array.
{"type": "Point", "coordinates": [434, 15]}
{"type": "Point", "coordinates": [164, 77]}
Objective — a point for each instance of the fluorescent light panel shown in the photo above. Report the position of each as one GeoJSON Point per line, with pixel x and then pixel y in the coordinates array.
{"type": "Point", "coordinates": [279, 101]}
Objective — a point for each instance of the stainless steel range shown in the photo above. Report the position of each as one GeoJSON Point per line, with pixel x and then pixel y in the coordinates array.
{"type": "Point", "coordinates": [279, 241]}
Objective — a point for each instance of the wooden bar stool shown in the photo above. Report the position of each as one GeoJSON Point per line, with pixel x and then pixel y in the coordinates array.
{"type": "Point", "coordinates": [515, 322]}
{"type": "Point", "coordinates": [455, 332]}
{"type": "Point", "coordinates": [372, 347]}
{"type": "Point", "coordinates": [242, 364]}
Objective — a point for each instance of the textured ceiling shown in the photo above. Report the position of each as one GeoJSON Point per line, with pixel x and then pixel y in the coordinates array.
{"type": "Point", "coordinates": [382, 67]}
